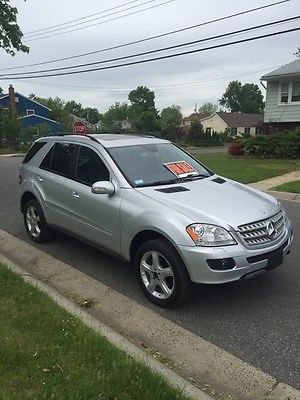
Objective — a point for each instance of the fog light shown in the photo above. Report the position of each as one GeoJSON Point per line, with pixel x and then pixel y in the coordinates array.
{"type": "Point", "coordinates": [221, 264]}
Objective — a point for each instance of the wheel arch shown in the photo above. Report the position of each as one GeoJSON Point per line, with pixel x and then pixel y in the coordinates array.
{"type": "Point", "coordinates": [26, 196]}
{"type": "Point", "coordinates": [145, 236]}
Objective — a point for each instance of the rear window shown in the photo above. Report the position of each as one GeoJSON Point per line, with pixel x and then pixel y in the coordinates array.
{"type": "Point", "coordinates": [62, 158]}
{"type": "Point", "coordinates": [33, 150]}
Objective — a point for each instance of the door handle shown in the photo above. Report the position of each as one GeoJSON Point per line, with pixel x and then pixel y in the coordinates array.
{"type": "Point", "coordinates": [75, 195]}
{"type": "Point", "coordinates": [39, 178]}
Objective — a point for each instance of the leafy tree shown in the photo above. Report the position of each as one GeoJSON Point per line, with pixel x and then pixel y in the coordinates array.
{"type": "Point", "coordinates": [147, 122]}
{"type": "Point", "coordinates": [171, 117]}
{"type": "Point", "coordinates": [10, 126]}
{"type": "Point", "coordinates": [245, 98]}
{"type": "Point", "coordinates": [31, 133]}
{"type": "Point", "coordinates": [74, 108]}
{"type": "Point", "coordinates": [142, 99]}
{"type": "Point", "coordinates": [208, 109]}
{"type": "Point", "coordinates": [195, 132]}
{"type": "Point", "coordinates": [115, 113]}
{"type": "Point", "coordinates": [251, 99]}
{"type": "Point", "coordinates": [10, 33]}
{"type": "Point", "coordinates": [92, 115]}
{"type": "Point", "coordinates": [231, 97]}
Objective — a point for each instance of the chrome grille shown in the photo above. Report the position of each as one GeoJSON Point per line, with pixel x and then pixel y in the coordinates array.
{"type": "Point", "coordinates": [262, 232]}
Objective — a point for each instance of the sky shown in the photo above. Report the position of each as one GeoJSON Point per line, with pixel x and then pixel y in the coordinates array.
{"type": "Point", "coordinates": [185, 81]}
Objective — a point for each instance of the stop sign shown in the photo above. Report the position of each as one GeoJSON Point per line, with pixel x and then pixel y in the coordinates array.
{"type": "Point", "coordinates": [79, 128]}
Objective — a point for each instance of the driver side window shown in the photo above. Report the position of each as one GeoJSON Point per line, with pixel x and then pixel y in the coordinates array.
{"type": "Point", "coordinates": [90, 168]}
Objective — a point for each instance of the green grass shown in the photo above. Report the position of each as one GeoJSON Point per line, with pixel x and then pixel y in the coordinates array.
{"type": "Point", "coordinates": [247, 170]}
{"type": "Point", "coordinates": [292, 187]}
{"type": "Point", "coordinates": [47, 354]}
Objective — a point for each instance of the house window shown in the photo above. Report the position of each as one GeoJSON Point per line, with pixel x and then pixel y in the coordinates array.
{"type": "Point", "coordinates": [30, 112]}
{"type": "Point", "coordinates": [208, 130]}
{"type": "Point", "coordinates": [233, 131]}
{"type": "Point", "coordinates": [296, 91]}
{"type": "Point", "coordinates": [247, 131]}
{"type": "Point", "coordinates": [284, 97]}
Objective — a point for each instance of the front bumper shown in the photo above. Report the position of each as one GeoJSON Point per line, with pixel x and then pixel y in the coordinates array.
{"type": "Point", "coordinates": [196, 257]}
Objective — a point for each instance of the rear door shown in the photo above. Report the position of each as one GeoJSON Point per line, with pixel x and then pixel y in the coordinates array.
{"type": "Point", "coordinates": [96, 216]}
{"type": "Point", "coordinates": [53, 181]}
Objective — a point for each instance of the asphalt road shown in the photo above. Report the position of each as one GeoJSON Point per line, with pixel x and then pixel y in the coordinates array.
{"type": "Point", "coordinates": [257, 320]}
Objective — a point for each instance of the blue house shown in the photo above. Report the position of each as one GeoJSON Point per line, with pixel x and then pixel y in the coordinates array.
{"type": "Point", "coordinates": [31, 113]}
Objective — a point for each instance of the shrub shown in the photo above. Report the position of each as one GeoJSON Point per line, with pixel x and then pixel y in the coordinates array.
{"type": "Point", "coordinates": [272, 146]}
{"type": "Point", "coordinates": [235, 149]}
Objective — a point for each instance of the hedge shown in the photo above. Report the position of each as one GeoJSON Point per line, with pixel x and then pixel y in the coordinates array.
{"type": "Point", "coordinates": [271, 146]}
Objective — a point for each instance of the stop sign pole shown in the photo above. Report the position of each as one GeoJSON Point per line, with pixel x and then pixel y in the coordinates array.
{"type": "Point", "coordinates": [79, 128]}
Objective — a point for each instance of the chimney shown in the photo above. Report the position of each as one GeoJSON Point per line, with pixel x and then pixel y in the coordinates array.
{"type": "Point", "coordinates": [12, 101]}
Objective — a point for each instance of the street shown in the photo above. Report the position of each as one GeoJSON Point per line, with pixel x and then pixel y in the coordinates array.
{"type": "Point", "coordinates": [257, 320]}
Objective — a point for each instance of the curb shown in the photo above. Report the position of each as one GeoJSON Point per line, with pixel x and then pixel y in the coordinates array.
{"type": "Point", "coordinates": [13, 155]}
{"type": "Point", "coordinates": [284, 195]}
{"type": "Point", "coordinates": [171, 377]}
{"type": "Point", "coordinates": [197, 361]}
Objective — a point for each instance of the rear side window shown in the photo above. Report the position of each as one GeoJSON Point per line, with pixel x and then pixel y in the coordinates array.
{"type": "Point", "coordinates": [33, 150]}
{"type": "Point", "coordinates": [62, 158]}
{"type": "Point", "coordinates": [90, 167]}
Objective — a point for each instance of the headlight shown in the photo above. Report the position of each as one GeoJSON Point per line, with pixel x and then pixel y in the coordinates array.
{"type": "Point", "coordinates": [209, 235]}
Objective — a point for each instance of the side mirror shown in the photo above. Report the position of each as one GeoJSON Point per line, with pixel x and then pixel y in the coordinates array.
{"type": "Point", "coordinates": [103, 187]}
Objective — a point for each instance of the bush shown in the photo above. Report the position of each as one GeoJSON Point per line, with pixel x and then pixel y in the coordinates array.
{"type": "Point", "coordinates": [271, 146]}
{"type": "Point", "coordinates": [235, 149]}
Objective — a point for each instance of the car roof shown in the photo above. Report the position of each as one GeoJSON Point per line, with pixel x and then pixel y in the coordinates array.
{"type": "Point", "coordinates": [108, 140]}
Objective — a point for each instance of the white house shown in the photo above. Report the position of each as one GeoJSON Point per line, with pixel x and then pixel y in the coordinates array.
{"type": "Point", "coordinates": [282, 108]}
{"type": "Point", "coordinates": [237, 123]}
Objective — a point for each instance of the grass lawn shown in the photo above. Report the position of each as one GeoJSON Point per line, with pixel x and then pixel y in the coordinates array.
{"type": "Point", "coordinates": [45, 353]}
{"type": "Point", "coordinates": [292, 187]}
{"type": "Point", "coordinates": [247, 170]}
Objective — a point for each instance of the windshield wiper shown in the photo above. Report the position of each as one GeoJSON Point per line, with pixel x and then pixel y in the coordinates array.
{"type": "Point", "coordinates": [175, 180]}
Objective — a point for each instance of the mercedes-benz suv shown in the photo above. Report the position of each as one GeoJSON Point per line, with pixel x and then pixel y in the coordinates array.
{"type": "Point", "coordinates": [153, 204]}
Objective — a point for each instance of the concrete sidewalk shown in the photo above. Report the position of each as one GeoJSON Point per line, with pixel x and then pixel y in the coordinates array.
{"type": "Point", "coordinates": [179, 355]}
{"type": "Point", "coordinates": [268, 184]}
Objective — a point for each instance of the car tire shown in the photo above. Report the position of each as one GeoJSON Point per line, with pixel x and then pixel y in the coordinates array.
{"type": "Point", "coordinates": [35, 223]}
{"type": "Point", "coordinates": [161, 273]}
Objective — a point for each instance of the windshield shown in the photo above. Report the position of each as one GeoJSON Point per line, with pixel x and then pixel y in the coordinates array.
{"type": "Point", "coordinates": [156, 164]}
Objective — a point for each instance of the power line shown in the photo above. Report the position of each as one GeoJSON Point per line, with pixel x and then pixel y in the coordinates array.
{"type": "Point", "coordinates": [103, 22]}
{"type": "Point", "coordinates": [154, 87]}
{"type": "Point", "coordinates": [82, 18]}
{"type": "Point", "coordinates": [238, 32]}
{"type": "Point", "coordinates": [86, 22]}
{"type": "Point", "coordinates": [148, 38]}
{"type": "Point", "coordinates": [158, 58]}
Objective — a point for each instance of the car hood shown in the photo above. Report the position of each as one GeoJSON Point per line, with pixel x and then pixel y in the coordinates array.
{"type": "Point", "coordinates": [228, 203]}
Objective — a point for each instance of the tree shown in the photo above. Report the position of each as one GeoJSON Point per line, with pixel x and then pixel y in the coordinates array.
{"type": "Point", "coordinates": [142, 99]}
{"type": "Point", "coordinates": [208, 109]}
{"type": "Point", "coordinates": [10, 33]}
{"type": "Point", "coordinates": [245, 98]}
{"type": "Point", "coordinates": [117, 112]}
{"type": "Point", "coordinates": [10, 126]}
{"type": "Point", "coordinates": [195, 132]}
{"type": "Point", "coordinates": [171, 117]}
{"type": "Point", "coordinates": [147, 122]}
{"type": "Point", "coordinates": [231, 97]}
{"type": "Point", "coordinates": [74, 108]}
{"type": "Point", "coordinates": [92, 115]}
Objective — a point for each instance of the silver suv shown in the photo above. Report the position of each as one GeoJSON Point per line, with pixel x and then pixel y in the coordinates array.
{"type": "Point", "coordinates": [155, 205]}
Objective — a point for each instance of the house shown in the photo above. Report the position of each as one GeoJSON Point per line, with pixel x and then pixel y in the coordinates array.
{"type": "Point", "coordinates": [282, 108]}
{"type": "Point", "coordinates": [30, 112]}
{"type": "Point", "coordinates": [237, 123]}
{"type": "Point", "coordinates": [187, 121]}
